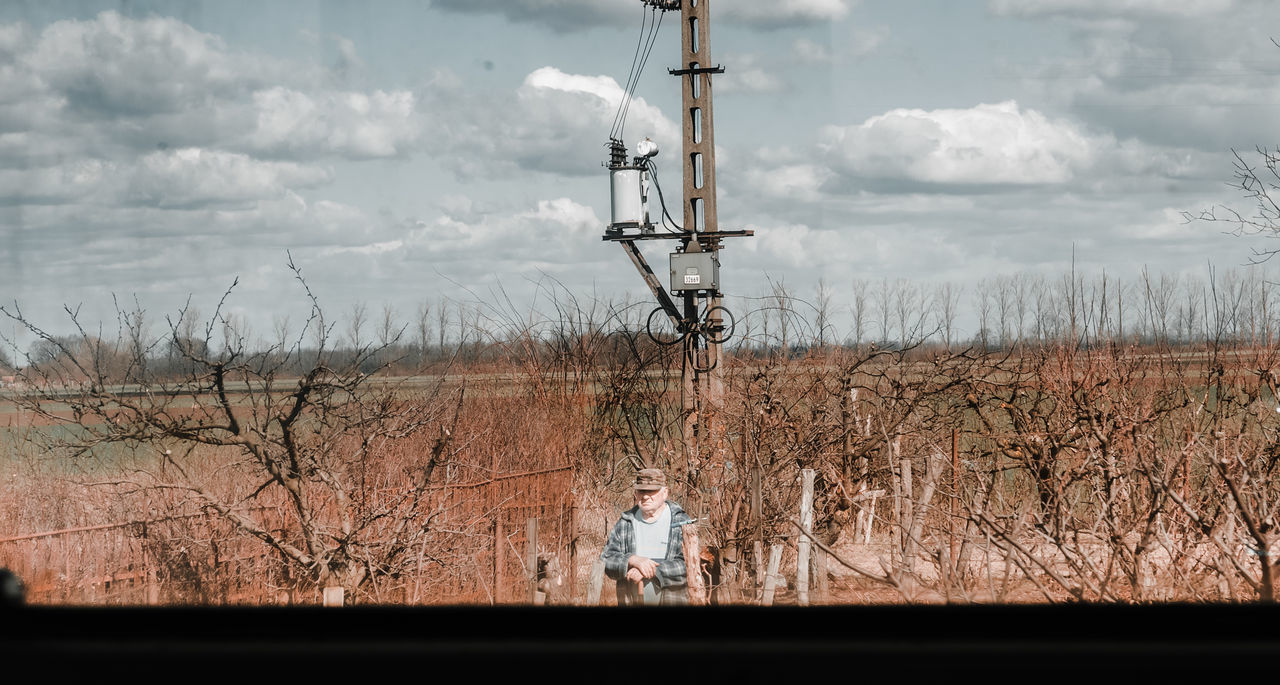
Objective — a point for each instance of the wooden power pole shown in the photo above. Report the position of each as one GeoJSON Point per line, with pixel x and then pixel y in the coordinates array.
{"type": "Point", "coordinates": [699, 317]}
{"type": "Point", "coordinates": [702, 378]}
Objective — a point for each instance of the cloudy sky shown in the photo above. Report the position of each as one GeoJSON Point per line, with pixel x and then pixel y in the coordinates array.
{"type": "Point", "coordinates": [405, 152]}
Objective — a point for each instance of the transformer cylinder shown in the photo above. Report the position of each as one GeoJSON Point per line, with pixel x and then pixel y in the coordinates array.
{"type": "Point", "coordinates": [628, 200]}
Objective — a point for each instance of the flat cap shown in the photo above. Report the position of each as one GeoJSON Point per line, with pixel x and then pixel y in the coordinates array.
{"type": "Point", "coordinates": [650, 479]}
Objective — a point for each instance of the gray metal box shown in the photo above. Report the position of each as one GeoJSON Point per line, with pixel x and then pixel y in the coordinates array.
{"type": "Point", "coordinates": [694, 271]}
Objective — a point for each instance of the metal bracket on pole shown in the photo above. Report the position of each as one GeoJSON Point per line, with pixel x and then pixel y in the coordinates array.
{"type": "Point", "coordinates": [718, 69]}
{"type": "Point", "coordinates": [651, 279]}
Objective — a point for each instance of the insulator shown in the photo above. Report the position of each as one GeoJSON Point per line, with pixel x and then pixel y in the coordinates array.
{"type": "Point", "coordinates": [617, 153]}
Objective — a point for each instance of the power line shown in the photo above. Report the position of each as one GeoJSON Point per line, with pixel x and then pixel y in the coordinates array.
{"type": "Point", "coordinates": [631, 74]}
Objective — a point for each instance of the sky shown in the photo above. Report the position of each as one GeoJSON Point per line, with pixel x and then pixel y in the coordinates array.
{"type": "Point", "coordinates": [409, 154]}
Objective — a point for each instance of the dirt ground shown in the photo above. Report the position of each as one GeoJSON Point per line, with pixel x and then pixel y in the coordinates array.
{"type": "Point", "coordinates": [844, 586]}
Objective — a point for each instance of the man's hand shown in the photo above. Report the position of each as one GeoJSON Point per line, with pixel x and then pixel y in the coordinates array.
{"type": "Point", "coordinates": [633, 575]}
{"type": "Point", "coordinates": [645, 566]}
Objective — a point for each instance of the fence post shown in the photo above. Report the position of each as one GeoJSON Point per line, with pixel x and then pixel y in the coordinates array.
{"type": "Point", "coordinates": [151, 590]}
{"type": "Point", "coordinates": [498, 539]}
{"type": "Point", "coordinates": [820, 573]}
{"type": "Point", "coordinates": [806, 523]}
{"type": "Point", "coordinates": [757, 512]}
{"type": "Point", "coordinates": [333, 596]}
{"type": "Point", "coordinates": [693, 564]}
{"type": "Point", "coordinates": [597, 580]}
{"type": "Point", "coordinates": [573, 553]}
{"type": "Point", "coordinates": [757, 552]}
{"type": "Point", "coordinates": [771, 574]}
{"type": "Point", "coordinates": [531, 555]}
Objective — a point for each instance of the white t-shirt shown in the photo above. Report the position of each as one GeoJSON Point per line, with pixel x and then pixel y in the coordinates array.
{"type": "Point", "coordinates": [651, 542]}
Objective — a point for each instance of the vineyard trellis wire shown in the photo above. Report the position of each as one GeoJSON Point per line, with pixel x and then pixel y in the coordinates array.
{"type": "Point", "coordinates": [474, 556]}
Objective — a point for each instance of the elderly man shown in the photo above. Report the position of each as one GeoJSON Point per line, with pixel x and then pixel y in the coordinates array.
{"type": "Point", "coordinates": [645, 552]}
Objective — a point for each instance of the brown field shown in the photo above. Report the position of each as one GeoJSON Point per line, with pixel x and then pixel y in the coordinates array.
{"type": "Point", "coordinates": [1112, 475]}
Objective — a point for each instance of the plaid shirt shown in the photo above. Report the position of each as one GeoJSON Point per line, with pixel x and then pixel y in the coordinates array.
{"type": "Point", "coordinates": [669, 579]}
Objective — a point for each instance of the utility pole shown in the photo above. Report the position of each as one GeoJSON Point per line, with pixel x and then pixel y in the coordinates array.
{"type": "Point", "coordinates": [701, 322]}
{"type": "Point", "coordinates": [703, 389]}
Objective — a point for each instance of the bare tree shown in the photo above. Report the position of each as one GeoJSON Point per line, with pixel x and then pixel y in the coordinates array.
{"type": "Point", "coordinates": [781, 301]}
{"type": "Point", "coordinates": [858, 309]}
{"type": "Point", "coordinates": [424, 330]}
{"type": "Point", "coordinates": [1119, 298]}
{"type": "Point", "coordinates": [982, 296]}
{"type": "Point", "coordinates": [280, 332]}
{"type": "Point", "coordinates": [388, 330]}
{"type": "Point", "coordinates": [1159, 296]}
{"type": "Point", "coordinates": [1258, 181]}
{"type": "Point", "coordinates": [884, 309]}
{"type": "Point", "coordinates": [442, 321]}
{"type": "Point", "coordinates": [908, 312]}
{"type": "Point", "coordinates": [1048, 318]}
{"type": "Point", "coordinates": [233, 434]}
{"type": "Point", "coordinates": [356, 320]}
{"type": "Point", "coordinates": [1099, 297]}
{"type": "Point", "coordinates": [822, 312]}
{"type": "Point", "coordinates": [140, 346]}
{"type": "Point", "coordinates": [946, 303]}
{"type": "Point", "coordinates": [1003, 296]}
{"type": "Point", "coordinates": [1189, 312]}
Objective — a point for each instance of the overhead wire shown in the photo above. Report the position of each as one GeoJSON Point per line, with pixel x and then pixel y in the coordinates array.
{"type": "Point", "coordinates": [647, 39]}
{"type": "Point", "coordinates": [630, 75]}
{"type": "Point", "coordinates": [648, 50]}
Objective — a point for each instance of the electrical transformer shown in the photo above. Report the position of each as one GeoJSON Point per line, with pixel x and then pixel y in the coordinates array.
{"type": "Point", "coordinates": [629, 188]}
{"type": "Point", "coordinates": [630, 208]}
{"type": "Point", "coordinates": [695, 271]}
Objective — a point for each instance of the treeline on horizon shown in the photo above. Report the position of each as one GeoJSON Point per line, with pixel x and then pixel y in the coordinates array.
{"type": "Point", "coordinates": [1232, 307]}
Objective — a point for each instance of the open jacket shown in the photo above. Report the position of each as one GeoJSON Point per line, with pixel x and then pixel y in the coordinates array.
{"type": "Point", "coordinates": [669, 580]}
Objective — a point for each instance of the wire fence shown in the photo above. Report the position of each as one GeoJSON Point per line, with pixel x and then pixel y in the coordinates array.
{"type": "Point", "coordinates": [475, 551]}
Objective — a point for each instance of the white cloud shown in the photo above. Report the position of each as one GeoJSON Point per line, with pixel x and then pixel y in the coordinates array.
{"type": "Point", "coordinates": [1170, 76]}
{"type": "Point", "coordinates": [559, 15]}
{"type": "Point", "coordinates": [789, 182]}
{"type": "Point", "coordinates": [186, 178]}
{"type": "Point", "coordinates": [192, 177]}
{"type": "Point", "coordinates": [1115, 8]}
{"type": "Point", "coordinates": [120, 66]}
{"type": "Point", "coordinates": [987, 144]}
{"type": "Point", "coordinates": [794, 244]}
{"type": "Point", "coordinates": [350, 124]}
{"type": "Point", "coordinates": [118, 86]}
{"type": "Point", "coordinates": [746, 74]}
{"type": "Point", "coordinates": [569, 15]}
{"type": "Point", "coordinates": [864, 41]}
{"type": "Point", "coordinates": [554, 122]}
{"type": "Point", "coordinates": [64, 182]}
{"type": "Point", "coordinates": [777, 13]}
{"type": "Point", "coordinates": [514, 235]}
{"type": "Point", "coordinates": [563, 212]}
{"type": "Point", "coordinates": [810, 52]}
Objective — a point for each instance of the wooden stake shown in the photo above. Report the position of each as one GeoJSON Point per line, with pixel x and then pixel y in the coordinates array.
{"type": "Point", "coordinates": [333, 596]}
{"type": "Point", "coordinates": [573, 553]}
{"type": "Point", "coordinates": [597, 580]}
{"type": "Point", "coordinates": [693, 565]}
{"type": "Point", "coordinates": [771, 574]}
{"type": "Point", "coordinates": [820, 572]}
{"type": "Point", "coordinates": [531, 555]}
{"type": "Point", "coordinates": [498, 580]}
{"type": "Point", "coordinates": [806, 522]}
{"type": "Point", "coordinates": [757, 549]}
{"type": "Point", "coordinates": [955, 491]}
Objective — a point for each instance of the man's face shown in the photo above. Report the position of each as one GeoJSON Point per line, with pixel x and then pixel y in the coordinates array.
{"type": "Point", "coordinates": [651, 501]}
